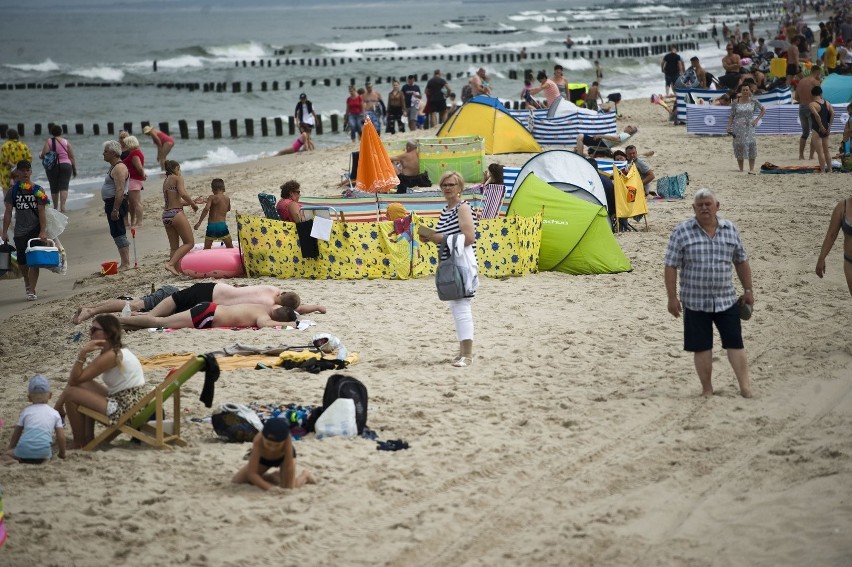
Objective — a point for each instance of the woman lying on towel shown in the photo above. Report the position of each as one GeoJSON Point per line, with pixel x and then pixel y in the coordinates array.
{"type": "Point", "coordinates": [208, 315]}
{"type": "Point", "coordinates": [123, 380]}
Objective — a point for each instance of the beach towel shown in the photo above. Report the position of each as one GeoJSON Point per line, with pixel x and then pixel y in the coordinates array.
{"type": "Point", "coordinates": [673, 186]}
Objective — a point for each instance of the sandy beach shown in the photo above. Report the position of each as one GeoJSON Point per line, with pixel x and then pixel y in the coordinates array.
{"type": "Point", "coordinates": [578, 436]}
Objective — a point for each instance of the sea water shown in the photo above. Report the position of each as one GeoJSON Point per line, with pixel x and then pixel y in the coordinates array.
{"type": "Point", "coordinates": [208, 40]}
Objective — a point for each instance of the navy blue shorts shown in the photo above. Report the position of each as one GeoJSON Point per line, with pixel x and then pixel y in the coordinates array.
{"type": "Point", "coordinates": [698, 329]}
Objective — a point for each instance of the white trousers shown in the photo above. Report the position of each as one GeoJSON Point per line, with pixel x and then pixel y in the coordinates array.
{"type": "Point", "coordinates": [463, 316]}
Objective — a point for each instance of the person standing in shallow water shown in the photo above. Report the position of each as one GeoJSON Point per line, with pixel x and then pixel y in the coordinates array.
{"type": "Point", "coordinates": [703, 249]}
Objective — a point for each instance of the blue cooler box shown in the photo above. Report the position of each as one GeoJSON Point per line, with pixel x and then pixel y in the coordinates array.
{"type": "Point", "coordinates": [42, 256]}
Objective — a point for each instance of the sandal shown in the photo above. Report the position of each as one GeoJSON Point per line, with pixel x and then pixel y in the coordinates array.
{"type": "Point", "coordinates": [31, 296]}
{"type": "Point", "coordinates": [463, 361]}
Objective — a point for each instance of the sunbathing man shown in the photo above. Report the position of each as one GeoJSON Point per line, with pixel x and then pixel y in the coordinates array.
{"type": "Point", "coordinates": [408, 169]}
{"type": "Point", "coordinates": [168, 300]}
{"type": "Point", "coordinates": [208, 315]}
{"type": "Point", "coordinates": [601, 141]}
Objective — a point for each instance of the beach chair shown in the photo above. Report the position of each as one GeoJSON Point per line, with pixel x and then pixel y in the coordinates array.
{"type": "Point", "coordinates": [134, 422]}
{"type": "Point", "coordinates": [267, 203]}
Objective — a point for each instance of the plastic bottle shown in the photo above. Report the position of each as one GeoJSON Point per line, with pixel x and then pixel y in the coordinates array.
{"type": "Point", "coordinates": [126, 311]}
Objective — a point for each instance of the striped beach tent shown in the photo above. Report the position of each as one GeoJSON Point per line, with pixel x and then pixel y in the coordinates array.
{"type": "Point", "coordinates": [775, 96]}
{"type": "Point", "coordinates": [563, 130]}
{"type": "Point", "coordinates": [779, 119]}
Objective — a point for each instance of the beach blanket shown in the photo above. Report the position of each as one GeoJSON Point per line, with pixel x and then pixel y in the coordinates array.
{"type": "Point", "coordinates": [233, 362]}
{"type": "Point", "coordinates": [781, 169]}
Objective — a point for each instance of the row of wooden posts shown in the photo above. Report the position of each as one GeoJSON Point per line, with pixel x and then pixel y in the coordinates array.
{"type": "Point", "coordinates": [582, 53]}
{"type": "Point", "coordinates": [216, 127]}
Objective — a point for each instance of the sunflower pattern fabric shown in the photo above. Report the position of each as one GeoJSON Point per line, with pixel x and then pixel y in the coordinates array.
{"type": "Point", "coordinates": [506, 246]}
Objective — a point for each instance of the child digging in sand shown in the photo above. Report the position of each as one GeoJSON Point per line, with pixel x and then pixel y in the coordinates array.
{"type": "Point", "coordinates": [273, 447]}
{"type": "Point", "coordinates": [33, 435]}
{"type": "Point", "coordinates": [218, 205]}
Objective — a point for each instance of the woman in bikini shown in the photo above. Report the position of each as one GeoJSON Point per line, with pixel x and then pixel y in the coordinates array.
{"type": "Point", "coordinates": [174, 219]}
{"type": "Point", "coordinates": [841, 219]}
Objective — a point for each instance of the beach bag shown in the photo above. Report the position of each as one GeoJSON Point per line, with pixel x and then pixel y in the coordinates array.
{"type": "Point", "coordinates": [236, 423]}
{"type": "Point", "coordinates": [341, 386]}
{"type": "Point", "coordinates": [337, 420]}
{"type": "Point", "coordinates": [51, 158]}
{"type": "Point", "coordinates": [673, 186]}
{"type": "Point", "coordinates": [449, 279]}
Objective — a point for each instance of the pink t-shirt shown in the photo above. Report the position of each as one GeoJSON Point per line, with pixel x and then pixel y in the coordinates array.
{"type": "Point", "coordinates": [61, 149]}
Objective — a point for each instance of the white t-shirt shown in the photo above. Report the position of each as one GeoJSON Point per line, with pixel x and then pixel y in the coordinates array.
{"type": "Point", "coordinates": [622, 137]}
{"type": "Point", "coordinates": [128, 374]}
{"type": "Point", "coordinates": [39, 422]}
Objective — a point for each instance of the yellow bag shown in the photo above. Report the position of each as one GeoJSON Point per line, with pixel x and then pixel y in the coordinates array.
{"type": "Point", "coordinates": [778, 67]}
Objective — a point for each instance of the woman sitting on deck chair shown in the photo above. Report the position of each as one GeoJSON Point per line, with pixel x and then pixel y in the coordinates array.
{"type": "Point", "coordinates": [123, 380]}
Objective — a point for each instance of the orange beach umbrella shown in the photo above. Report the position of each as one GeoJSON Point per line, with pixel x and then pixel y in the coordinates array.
{"type": "Point", "coordinates": [376, 173]}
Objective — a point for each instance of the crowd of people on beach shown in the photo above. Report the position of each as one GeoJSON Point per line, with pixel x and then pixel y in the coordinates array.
{"type": "Point", "coordinates": [702, 255]}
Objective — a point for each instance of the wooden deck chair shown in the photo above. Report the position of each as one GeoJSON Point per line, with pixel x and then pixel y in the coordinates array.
{"type": "Point", "coordinates": [267, 203]}
{"type": "Point", "coordinates": [134, 422]}
{"type": "Point", "coordinates": [630, 199]}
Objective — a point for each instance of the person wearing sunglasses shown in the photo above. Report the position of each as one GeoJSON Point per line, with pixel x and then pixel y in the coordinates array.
{"type": "Point", "coordinates": [122, 380]}
{"type": "Point", "coordinates": [457, 218]}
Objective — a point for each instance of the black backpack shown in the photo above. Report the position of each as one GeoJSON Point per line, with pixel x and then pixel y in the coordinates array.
{"type": "Point", "coordinates": [342, 386]}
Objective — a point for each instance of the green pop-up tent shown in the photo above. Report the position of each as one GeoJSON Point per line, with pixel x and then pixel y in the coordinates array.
{"type": "Point", "coordinates": [576, 237]}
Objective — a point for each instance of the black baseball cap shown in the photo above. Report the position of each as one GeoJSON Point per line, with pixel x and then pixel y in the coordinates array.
{"type": "Point", "coordinates": [303, 95]}
{"type": "Point", "coordinates": [23, 164]}
{"type": "Point", "coordinates": [276, 429]}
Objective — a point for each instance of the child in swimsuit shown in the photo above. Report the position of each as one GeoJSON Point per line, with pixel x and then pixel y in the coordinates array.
{"type": "Point", "coordinates": [271, 448]}
{"type": "Point", "coordinates": [218, 205]}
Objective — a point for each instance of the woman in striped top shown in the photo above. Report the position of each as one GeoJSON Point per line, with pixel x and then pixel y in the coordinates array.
{"type": "Point", "coordinates": [457, 218]}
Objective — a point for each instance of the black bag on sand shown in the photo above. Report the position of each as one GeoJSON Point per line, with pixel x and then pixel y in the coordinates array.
{"type": "Point", "coordinates": [342, 386]}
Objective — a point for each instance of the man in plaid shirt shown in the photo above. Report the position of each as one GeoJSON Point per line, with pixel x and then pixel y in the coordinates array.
{"type": "Point", "coordinates": [703, 248]}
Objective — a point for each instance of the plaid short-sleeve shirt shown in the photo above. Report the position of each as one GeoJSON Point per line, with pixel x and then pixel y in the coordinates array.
{"type": "Point", "coordinates": [705, 264]}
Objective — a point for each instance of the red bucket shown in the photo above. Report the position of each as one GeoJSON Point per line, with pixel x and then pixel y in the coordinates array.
{"type": "Point", "coordinates": [109, 268]}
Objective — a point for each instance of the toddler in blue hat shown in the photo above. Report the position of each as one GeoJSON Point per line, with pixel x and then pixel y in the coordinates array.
{"type": "Point", "coordinates": [32, 438]}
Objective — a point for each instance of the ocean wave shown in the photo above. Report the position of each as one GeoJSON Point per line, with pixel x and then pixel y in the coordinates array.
{"type": "Point", "coordinates": [452, 25]}
{"type": "Point", "coordinates": [544, 29]}
{"type": "Point", "coordinates": [574, 64]}
{"type": "Point", "coordinates": [101, 72]}
{"type": "Point", "coordinates": [514, 45]}
{"type": "Point", "coordinates": [222, 155]}
{"type": "Point", "coordinates": [657, 9]}
{"type": "Point", "coordinates": [46, 66]}
{"type": "Point", "coordinates": [538, 17]}
{"type": "Point", "coordinates": [357, 46]}
{"type": "Point", "coordinates": [249, 50]}
{"type": "Point", "coordinates": [179, 62]}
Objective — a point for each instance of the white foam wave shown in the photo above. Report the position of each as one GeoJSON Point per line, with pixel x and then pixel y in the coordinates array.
{"type": "Point", "coordinates": [544, 29]}
{"type": "Point", "coordinates": [574, 64]}
{"type": "Point", "coordinates": [102, 73]}
{"type": "Point", "coordinates": [657, 9]}
{"type": "Point", "coordinates": [514, 45]}
{"type": "Point", "coordinates": [247, 50]}
{"type": "Point", "coordinates": [181, 62]}
{"type": "Point", "coordinates": [45, 66]}
{"type": "Point", "coordinates": [355, 46]}
{"type": "Point", "coordinates": [222, 155]}
{"type": "Point", "coordinates": [538, 17]}
{"type": "Point", "coordinates": [452, 25]}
